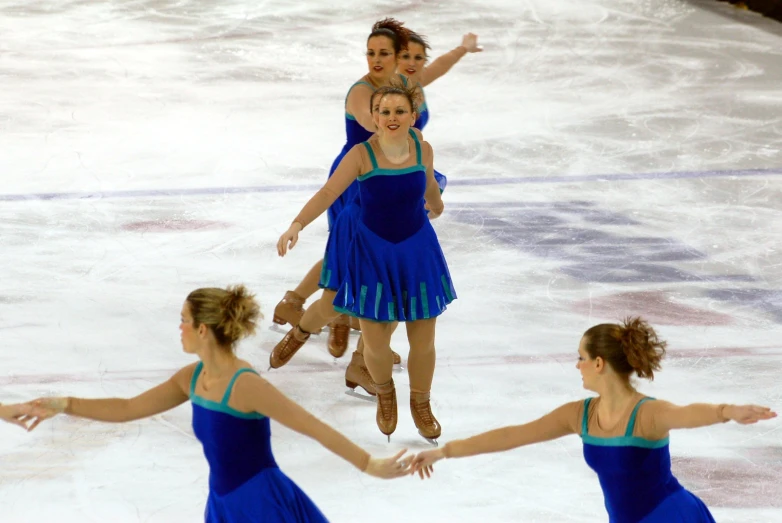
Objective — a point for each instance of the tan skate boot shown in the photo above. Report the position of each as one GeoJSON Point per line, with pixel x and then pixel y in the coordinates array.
{"type": "Point", "coordinates": [290, 344]}
{"type": "Point", "coordinates": [386, 408]}
{"type": "Point", "coordinates": [289, 310]}
{"type": "Point", "coordinates": [357, 375]}
{"type": "Point", "coordinates": [360, 346]}
{"type": "Point", "coordinates": [339, 329]}
{"type": "Point", "coordinates": [424, 420]}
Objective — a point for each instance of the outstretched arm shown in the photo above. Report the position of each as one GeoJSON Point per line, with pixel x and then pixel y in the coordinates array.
{"type": "Point", "coordinates": [346, 173]}
{"type": "Point", "coordinates": [358, 106]}
{"type": "Point", "coordinates": [444, 63]}
{"type": "Point", "coordinates": [666, 416]}
{"type": "Point", "coordinates": [253, 393]}
{"type": "Point", "coordinates": [165, 396]}
{"type": "Point", "coordinates": [434, 200]}
{"type": "Point", "coordinates": [555, 424]}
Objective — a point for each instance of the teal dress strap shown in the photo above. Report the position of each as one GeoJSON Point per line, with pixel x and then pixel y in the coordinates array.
{"type": "Point", "coordinates": [230, 387]}
{"type": "Point", "coordinates": [371, 155]}
{"type": "Point", "coordinates": [194, 379]}
{"type": "Point", "coordinates": [585, 417]}
{"type": "Point", "coordinates": [417, 147]}
{"type": "Point", "coordinates": [404, 79]}
{"type": "Point", "coordinates": [631, 423]}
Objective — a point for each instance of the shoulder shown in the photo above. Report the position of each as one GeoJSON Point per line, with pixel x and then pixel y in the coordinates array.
{"type": "Point", "coordinates": [249, 382]}
{"type": "Point", "coordinates": [184, 376]}
{"type": "Point", "coordinates": [360, 88]}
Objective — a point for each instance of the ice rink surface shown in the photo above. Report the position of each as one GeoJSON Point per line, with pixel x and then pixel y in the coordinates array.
{"type": "Point", "coordinates": [605, 158]}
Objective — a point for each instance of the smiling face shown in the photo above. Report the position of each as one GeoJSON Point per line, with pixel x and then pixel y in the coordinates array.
{"type": "Point", "coordinates": [381, 59]}
{"type": "Point", "coordinates": [394, 115]}
{"type": "Point", "coordinates": [412, 61]}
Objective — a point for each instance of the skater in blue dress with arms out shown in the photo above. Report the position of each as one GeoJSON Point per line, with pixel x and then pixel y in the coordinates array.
{"type": "Point", "coordinates": [232, 408]}
{"type": "Point", "coordinates": [625, 434]}
{"type": "Point", "coordinates": [395, 271]}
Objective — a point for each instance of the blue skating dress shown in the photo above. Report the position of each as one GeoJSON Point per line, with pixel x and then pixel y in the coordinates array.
{"type": "Point", "coordinates": [355, 134]}
{"type": "Point", "coordinates": [395, 269]}
{"type": "Point", "coordinates": [420, 123]}
{"type": "Point", "coordinates": [245, 484]}
{"type": "Point", "coordinates": [635, 475]}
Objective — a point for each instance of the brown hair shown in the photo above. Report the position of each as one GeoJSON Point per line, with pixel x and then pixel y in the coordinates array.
{"type": "Point", "coordinates": [400, 90]}
{"type": "Point", "coordinates": [392, 29]}
{"type": "Point", "coordinates": [630, 347]}
{"type": "Point", "coordinates": [420, 40]}
{"type": "Point", "coordinates": [230, 313]}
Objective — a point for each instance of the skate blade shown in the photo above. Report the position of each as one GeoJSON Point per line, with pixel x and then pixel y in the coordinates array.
{"type": "Point", "coordinates": [431, 441]}
{"type": "Point", "coordinates": [365, 397]}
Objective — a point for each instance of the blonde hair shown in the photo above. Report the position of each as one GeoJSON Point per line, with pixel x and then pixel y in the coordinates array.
{"type": "Point", "coordinates": [230, 313]}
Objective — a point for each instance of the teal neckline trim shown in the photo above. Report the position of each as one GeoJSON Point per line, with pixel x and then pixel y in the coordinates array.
{"type": "Point", "coordinates": [391, 172]}
{"type": "Point", "coordinates": [349, 116]}
{"type": "Point", "coordinates": [223, 405]}
{"type": "Point", "coordinates": [225, 409]}
{"type": "Point", "coordinates": [626, 441]}
{"type": "Point", "coordinates": [423, 107]}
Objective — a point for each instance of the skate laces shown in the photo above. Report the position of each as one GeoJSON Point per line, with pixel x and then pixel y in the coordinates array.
{"type": "Point", "coordinates": [386, 404]}
{"type": "Point", "coordinates": [424, 411]}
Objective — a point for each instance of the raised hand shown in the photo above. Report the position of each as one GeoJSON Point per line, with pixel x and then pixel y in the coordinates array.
{"type": "Point", "coordinates": [388, 468]}
{"type": "Point", "coordinates": [748, 414]}
{"type": "Point", "coordinates": [288, 239]}
{"type": "Point", "coordinates": [470, 43]}
{"type": "Point", "coordinates": [423, 462]}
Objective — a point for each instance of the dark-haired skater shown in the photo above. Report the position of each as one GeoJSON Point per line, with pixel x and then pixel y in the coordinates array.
{"type": "Point", "coordinates": [625, 433]}
{"type": "Point", "coordinates": [384, 44]}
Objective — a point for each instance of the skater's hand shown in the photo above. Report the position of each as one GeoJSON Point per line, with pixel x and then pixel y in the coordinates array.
{"type": "Point", "coordinates": [388, 468]}
{"type": "Point", "coordinates": [45, 408]}
{"type": "Point", "coordinates": [434, 212]}
{"type": "Point", "coordinates": [288, 239]}
{"type": "Point", "coordinates": [470, 43]}
{"type": "Point", "coordinates": [748, 414]}
{"type": "Point", "coordinates": [18, 414]}
{"type": "Point", "coordinates": [423, 462]}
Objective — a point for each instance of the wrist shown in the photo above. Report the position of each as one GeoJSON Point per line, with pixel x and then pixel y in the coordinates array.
{"type": "Point", "coordinates": [67, 406]}
{"type": "Point", "coordinates": [446, 451]}
{"type": "Point", "coordinates": [296, 223]}
{"type": "Point", "coordinates": [723, 411]}
{"type": "Point", "coordinates": [462, 50]}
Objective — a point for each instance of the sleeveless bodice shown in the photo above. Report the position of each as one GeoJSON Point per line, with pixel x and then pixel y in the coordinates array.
{"type": "Point", "coordinates": [634, 473]}
{"type": "Point", "coordinates": [392, 200]}
{"type": "Point", "coordinates": [237, 445]}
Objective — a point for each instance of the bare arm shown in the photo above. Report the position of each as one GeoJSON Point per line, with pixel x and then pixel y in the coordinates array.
{"type": "Point", "coordinates": [346, 173]}
{"type": "Point", "coordinates": [165, 396]}
{"type": "Point", "coordinates": [251, 392]}
{"type": "Point", "coordinates": [441, 65]}
{"type": "Point", "coordinates": [553, 425]}
{"type": "Point", "coordinates": [358, 105]}
{"type": "Point", "coordinates": [666, 416]}
{"type": "Point", "coordinates": [558, 423]}
{"type": "Point", "coordinates": [434, 200]}
{"type": "Point", "coordinates": [444, 63]}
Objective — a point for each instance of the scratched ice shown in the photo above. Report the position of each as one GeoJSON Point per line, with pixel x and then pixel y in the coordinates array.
{"type": "Point", "coordinates": [605, 158]}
